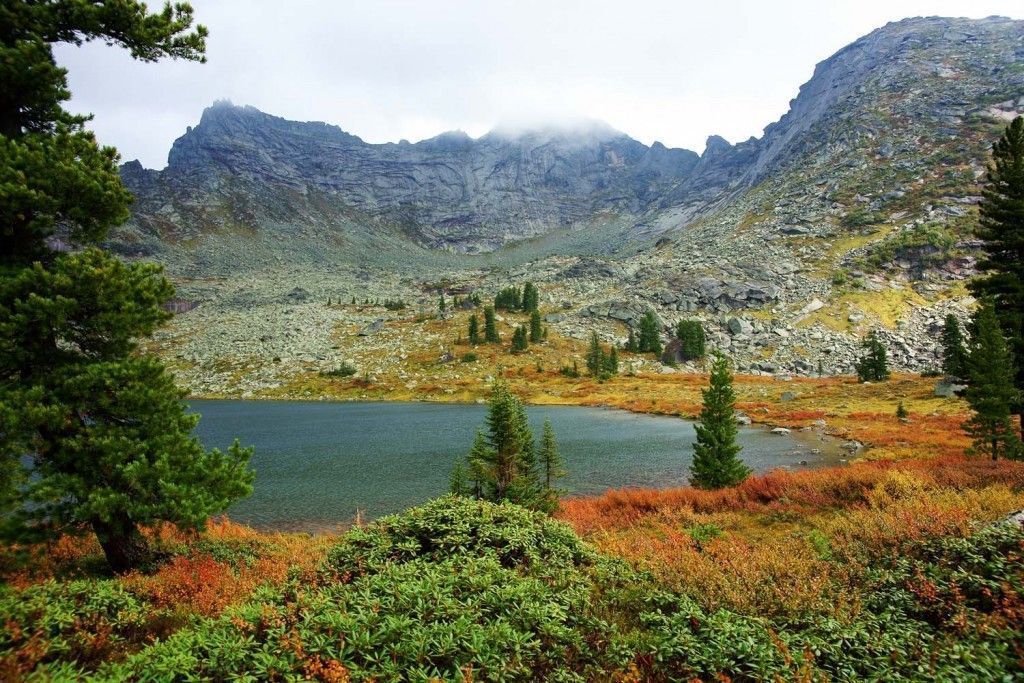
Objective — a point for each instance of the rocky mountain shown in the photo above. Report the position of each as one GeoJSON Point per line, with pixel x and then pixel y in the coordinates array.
{"type": "Point", "coordinates": [853, 211]}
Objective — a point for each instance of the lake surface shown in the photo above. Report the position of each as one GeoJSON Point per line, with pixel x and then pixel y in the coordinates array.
{"type": "Point", "coordinates": [319, 463]}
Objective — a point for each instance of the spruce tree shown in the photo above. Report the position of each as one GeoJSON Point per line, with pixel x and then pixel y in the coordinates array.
{"type": "Point", "coordinates": [873, 366]}
{"type": "Point", "coordinates": [954, 353]}
{"type": "Point", "coordinates": [474, 330]}
{"type": "Point", "coordinates": [503, 460]}
{"type": "Point", "coordinates": [490, 326]}
{"type": "Point", "coordinates": [442, 304]}
{"type": "Point", "coordinates": [691, 339]}
{"type": "Point", "coordinates": [111, 444]}
{"type": "Point", "coordinates": [716, 463]}
{"type": "Point", "coordinates": [519, 340]}
{"type": "Point", "coordinates": [458, 483]}
{"type": "Point", "coordinates": [631, 344]}
{"type": "Point", "coordinates": [595, 356]}
{"type": "Point", "coordinates": [536, 332]}
{"type": "Point", "coordinates": [611, 364]}
{"type": "Point", "coordinates": [650, 336]}
{"type": "Point", "coordinates": [991, 392]}
{"type": "Point", "coordinates": [1001, 227]}
{"type": "Point", "coordinates": [551, 465]}
{"type": "Point", "coordinates": [531, 298]}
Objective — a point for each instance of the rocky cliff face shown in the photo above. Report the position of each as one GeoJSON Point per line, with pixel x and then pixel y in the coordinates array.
{"type": "Point", "coordinates": [852, 212]}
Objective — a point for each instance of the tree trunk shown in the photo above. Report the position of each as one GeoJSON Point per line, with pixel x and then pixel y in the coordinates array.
{"type": "Point", "coordinates": [123, 544]}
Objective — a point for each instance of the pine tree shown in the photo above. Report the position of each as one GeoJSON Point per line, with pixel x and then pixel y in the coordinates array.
{"type": "Point", "coordinates": [531, 298]}
{"type": "Point", "coordinates": [490, 327]}
{"type": "Point", "coordinates": [474, 330]}
{"type": "Point", "coordinates": [1001, 227]}
{"type": "Point", "coordinates": [691, 339]}
{"type": "Point", "coordinates": [502, 464]}
{"type": "Point", "coordinates": [551, 465]}
{"type": "Point", "coordinates": [873, 366]}
{"type": "Point", "coordinates": [611, 364]}
{"type": "Point", "coordinates": [954, 353]}
{"type": "Point", "coordinates": [536, 333]}
{"type": "Point", "coordinates": [716, 462]}
{"type": "Point", "coordinates": [991, 392]}
{"type": "Point", "coordinates": [112, 446]}
{"type": "Point", "coordinates": [519, 337]}
{"type": "Point", "coordinates": [631, 344]}
{"type": "Point", "coordinates": [650, 338]}
{"type": "Point", "coordinates": [441, 304]}
{"type": "Point", "coordinates": [595, 356]}
{"type": "Point", "coordinates": [458, 483]}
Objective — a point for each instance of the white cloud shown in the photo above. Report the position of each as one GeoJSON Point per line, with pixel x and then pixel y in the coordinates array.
{"type": "Point", "coordinates": [392, 69]}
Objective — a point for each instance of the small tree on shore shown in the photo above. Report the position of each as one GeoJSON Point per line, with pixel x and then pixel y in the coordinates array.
{"type": "Point", "coordinates": [991, 393]}
{"type": "Point", "coordinates": [873, 366]}
{"type": "Point", "coordinates": [490, 326]}
{"type": "Point", "coordinates": [549, 460]}
{"type": "Point", "coordinates": [954, 353]}
{"type": "Point", "coordinates": [716, 463]}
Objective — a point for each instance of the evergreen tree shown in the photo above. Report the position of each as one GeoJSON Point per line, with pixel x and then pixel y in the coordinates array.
{"type": "Point", "coordinates": [536, 333]}
{"type": "Point", "coordinates": [531, 297]}
{"type": "Point", "coordinates": [519, 337]}
{"type": "Point", "coordinates": [502, 464]}
{"type": "Point", "coordinates": [691, 339]}
{"type": "Point", "coordinates": [111, 444]}
{"type": "Point", "coordinates": [1001, 227]}
{"type": "Point", "coordinates": [873, 366]}
{"type": "Point", "coordinates": [595, 356]}
{"type": "Point", "coordinates": [441, 304]}
{"type": "Point", "coordinates": [490, 327]}
{"type": "Point", "coordinates": [458, 483]}
{"type": "Point", "coordinates": [551, 465]}
{"type": "Point", "coordinates": [631, 344]}
{"type": "Point", "coordinates": [611, 362]}
{"type": "Point", "coordinates": [474, 330]}
{"type": "Point", "coordinates": [508, 299]}
{"type": "Point", "coordinates": [650, 337]}
{"type": "Point", "coordinates": [954, 353]}
{"type": "Point", "coordinates": [991, 392]}
{"type": "Point", "coordinates": [716, 462]}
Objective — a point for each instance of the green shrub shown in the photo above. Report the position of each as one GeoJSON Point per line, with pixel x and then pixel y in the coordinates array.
{"type": "Point", "coordinates": [344, 370]}
{"type": "Point", "coordinates": [469, 357]}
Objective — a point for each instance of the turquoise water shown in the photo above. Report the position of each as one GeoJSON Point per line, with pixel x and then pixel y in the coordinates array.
{"type": "Point", "coordinates": [318, 463]}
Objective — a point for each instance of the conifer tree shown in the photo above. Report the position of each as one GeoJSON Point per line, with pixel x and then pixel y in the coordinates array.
{"type": "Point", "coordinates": [631, 344]}
{"type": "Point", "coordinates": [611, 364]}
{"type": "Point", "coordinates": [502, 463]}
{"type": "Point", "coordinates": [873, 366]}
{"type": "Point", "coordinates": [595, 356]}
{"type": "Point", "coordinates": [691, 339]}
{"type": "Point", "coordinates": [649, 340]}
{"type": "Point", "coordinates": [716, 463]}
{"type": "Point", "coordinates": [1001, 227]}
{"type": "Point", "coordinates": [551, 465]}
{"type": "Point", "coordinates": [991, 392]}
{"type": "Point", "coordinates": [531, 297]}
{"type": "Point", "coordinates": [458, 484]}
{"type": "Point", "coordinates": [474, 330]}
{"type": "Point", "coordinates": [519, 340]}
{"type": "Point", "coordinates": [536, 333]}
{"type": "Point", "coordinates": [111, 444]}
{"type": "Point", "coordinates": [442, 304]}
{"type": "Point", "coordinates": [954, 353]}
{"type": "Point", "coordinates": [490, 326]}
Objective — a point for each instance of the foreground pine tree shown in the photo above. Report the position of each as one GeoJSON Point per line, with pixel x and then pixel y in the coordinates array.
{"type": "Point", "coordinates": [716, 463]}
{"type": "Point", "coordinates": [502, 465]}
{"type": "Point", "coordinates": [954, 353]}
{"type": "Point", "coordinates": [991, 393]}
{"type": "Point", "coordinates": [110, 445]}
{"type": "Point", "coordinates": [1001, 227]}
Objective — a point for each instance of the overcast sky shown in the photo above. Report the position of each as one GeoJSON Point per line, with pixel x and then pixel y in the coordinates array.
{"type": "Point", "coordinates": [669, 70]}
